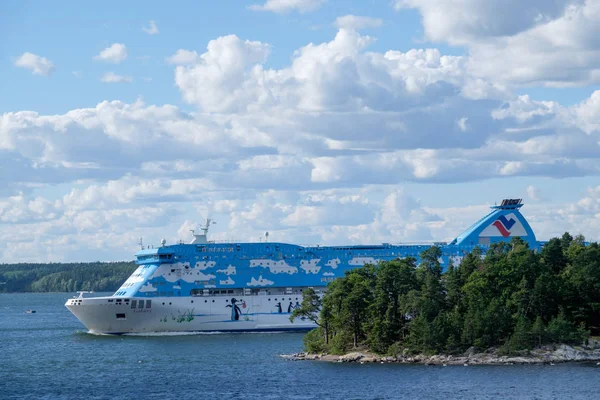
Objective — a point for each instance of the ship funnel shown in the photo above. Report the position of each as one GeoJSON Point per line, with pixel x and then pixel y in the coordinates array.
{"type": "Point", "coordinates": [502, 224]}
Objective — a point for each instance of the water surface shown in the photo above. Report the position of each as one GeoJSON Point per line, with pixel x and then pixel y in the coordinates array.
{"type": "Point", "coordinates": [49, 355]}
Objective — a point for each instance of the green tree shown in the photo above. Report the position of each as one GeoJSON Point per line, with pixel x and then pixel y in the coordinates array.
{"type": "Point", "coordinates": [310, 309]}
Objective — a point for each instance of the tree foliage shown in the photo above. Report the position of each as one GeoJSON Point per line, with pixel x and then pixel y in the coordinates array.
{"type": "Point", "coordinates": [511, 297]}
{"type": "Point", "coordinates": [64, 277]}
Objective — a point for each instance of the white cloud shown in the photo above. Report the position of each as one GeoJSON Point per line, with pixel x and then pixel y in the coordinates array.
{"type": "Point", "coordinates": [552, 43]}
{"type": "Point", "coordinates": [356, 22]}
{"type": "Point", "coordinates": [460, 21]}
{"type": "Point", "coordinates": [182, 57]}
{"type": "Point", "coordinates": [116, 53]}
{"type": "Point", "coordinates": [151, 29]}
{"type": "Point", "coordinates": [587, 114]}
{"type": "Point", "coordinates": [313, 151]}
{"type": "Point", "coordinates": [285, 6]}
{"type": "Point", "coordinates": [218, 81]}
{"type": "Point", "coordinates": [36, 64]}
{"type": "Point", "coordinates": [462, 124]}
{"type": "Point", "coordinates": [533, 193]}
{"type": "Point", "coordinates": [111, 77]}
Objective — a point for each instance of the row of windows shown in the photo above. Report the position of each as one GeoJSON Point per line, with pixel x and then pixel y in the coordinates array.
{"type": "Point", "coordinates": [140, 303]}
{"type": "Point", "coordinates": [226, 301]}
{"type": "Point", "coordinates": [150, 257]}
{"type": "Point", "coordinates": [204, 249]}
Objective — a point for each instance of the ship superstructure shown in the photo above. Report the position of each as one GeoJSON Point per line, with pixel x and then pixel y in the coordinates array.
{"type": "Point", "coordinates": [206, 286]}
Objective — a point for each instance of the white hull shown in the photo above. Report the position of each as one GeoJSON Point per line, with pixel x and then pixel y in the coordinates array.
{"type": "Point", "coordinates": [113, 315]}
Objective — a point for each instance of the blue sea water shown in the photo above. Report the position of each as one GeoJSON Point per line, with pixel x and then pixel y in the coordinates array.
{"type": "Point", "coordinates": [49, 355]}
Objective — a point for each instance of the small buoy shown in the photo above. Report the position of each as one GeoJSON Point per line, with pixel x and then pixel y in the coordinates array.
{"type": "Point", "coordinates": [444, 365]}
{"type": "Point", "coordinates": [465, 365]}
{"type": "Point", "coordinates": [362, 362]}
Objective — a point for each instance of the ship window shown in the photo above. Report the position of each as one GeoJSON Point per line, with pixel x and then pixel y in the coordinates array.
{"type": "Point", "coordinates": [133, 302]}
{"type": "Point", "coordinates": [121, 316]}
{"type": "Point", "coordinates": [140, 304]}
{"type": "Point", "coordinates": [213, 301]}
{"type": "Point", "coordinates": [206, 301]}
{"type": "Point", "coordinates": [149, 303]}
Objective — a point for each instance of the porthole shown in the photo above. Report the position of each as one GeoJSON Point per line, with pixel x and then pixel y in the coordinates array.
{"type": "Point", "coordinates": [192, 301]}
{"type": "Point", "coordinates": [206, 301]}
{"type": "Point", "coordinates": [213, 301]}
{"type": "Point", "coordinates": [163, 304]}
{"type": "Point", "coordinates": [169, 303]}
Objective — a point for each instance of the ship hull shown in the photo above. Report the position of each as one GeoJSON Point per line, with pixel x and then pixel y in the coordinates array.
{"type": "Point", "coordinates": [104, 315]}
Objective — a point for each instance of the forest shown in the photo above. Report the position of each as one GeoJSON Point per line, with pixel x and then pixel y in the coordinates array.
{"type": "Point", "coordinates": [511, 298]}
{"type": "Point", "coordinates": [64, 277]}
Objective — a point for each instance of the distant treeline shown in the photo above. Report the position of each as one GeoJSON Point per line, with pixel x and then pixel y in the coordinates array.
{"type": "Point", "coordinates": [64, 277]}
{"type": "Point", "coordinates": [511, 298]}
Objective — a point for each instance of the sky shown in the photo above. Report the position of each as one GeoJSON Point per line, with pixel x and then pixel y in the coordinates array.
{"type": "Point", "coordinates": [318, 121]}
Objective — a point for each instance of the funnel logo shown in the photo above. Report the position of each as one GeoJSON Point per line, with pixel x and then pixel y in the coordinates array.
{"type": "Point", "coordinates": [503, 225]}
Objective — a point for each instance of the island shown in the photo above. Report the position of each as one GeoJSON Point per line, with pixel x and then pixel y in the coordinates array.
{"type": "Point", "coordinates": [511, 304]}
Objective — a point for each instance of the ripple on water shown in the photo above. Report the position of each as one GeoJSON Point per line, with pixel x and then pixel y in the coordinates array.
{"type": "Point", "coordinates": [52, 356]}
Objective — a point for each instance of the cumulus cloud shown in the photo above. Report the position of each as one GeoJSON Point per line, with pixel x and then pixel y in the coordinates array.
{"type": "Point", "coordinates": [116, 53]}
{"type": "Point", "coordinates": [552, 43]}
{"type": "Point", "coordinates": [182, 56]}
{"type": "Point", "coordinates": [218, 81]}
{"type": "Point", "coordinates": [286, 6]}
{"type": "Point", "coordinates": [587, 114]}
{"type": "Point", "coordinates": [314, 151]}
{"type": "Point", "coordinates": [111, 77]}
{"type": "Point", "coordinates": [151, 29]}
{"type": "Point", "coordinates": [461, 21]}
{"type": "Point", "coordinates": [36, 64]}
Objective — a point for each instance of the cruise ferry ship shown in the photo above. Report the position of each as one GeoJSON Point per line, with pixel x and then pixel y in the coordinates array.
{"type": "Point", "coordinates": [208, 286]}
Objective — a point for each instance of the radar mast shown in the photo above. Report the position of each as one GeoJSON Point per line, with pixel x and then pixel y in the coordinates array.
{"type": "Point", "coordinates": [203, 238]}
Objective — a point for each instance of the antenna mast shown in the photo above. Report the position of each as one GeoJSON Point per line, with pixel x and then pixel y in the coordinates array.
{"type": "Point", "coordinates": [203, 238]}
{"type": "Point", "coordinates": [206, 227]}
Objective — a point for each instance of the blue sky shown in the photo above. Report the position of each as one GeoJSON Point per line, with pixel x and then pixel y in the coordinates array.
{"type": "Point", "coordinates": [321, 121]}
{"type": "Point", "coordinates": [72, 33]}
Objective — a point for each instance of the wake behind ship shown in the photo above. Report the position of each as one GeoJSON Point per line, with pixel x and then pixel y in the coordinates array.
{"type": "Point", "coordinates": [207, 286]}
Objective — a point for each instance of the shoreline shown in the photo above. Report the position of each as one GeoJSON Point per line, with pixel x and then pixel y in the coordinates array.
{"type": "Point", "coordinates": [543, 355]}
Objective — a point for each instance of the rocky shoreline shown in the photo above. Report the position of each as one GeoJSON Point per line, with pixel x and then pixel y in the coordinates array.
{"type": "Point", "coordinates": [543, 355]}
